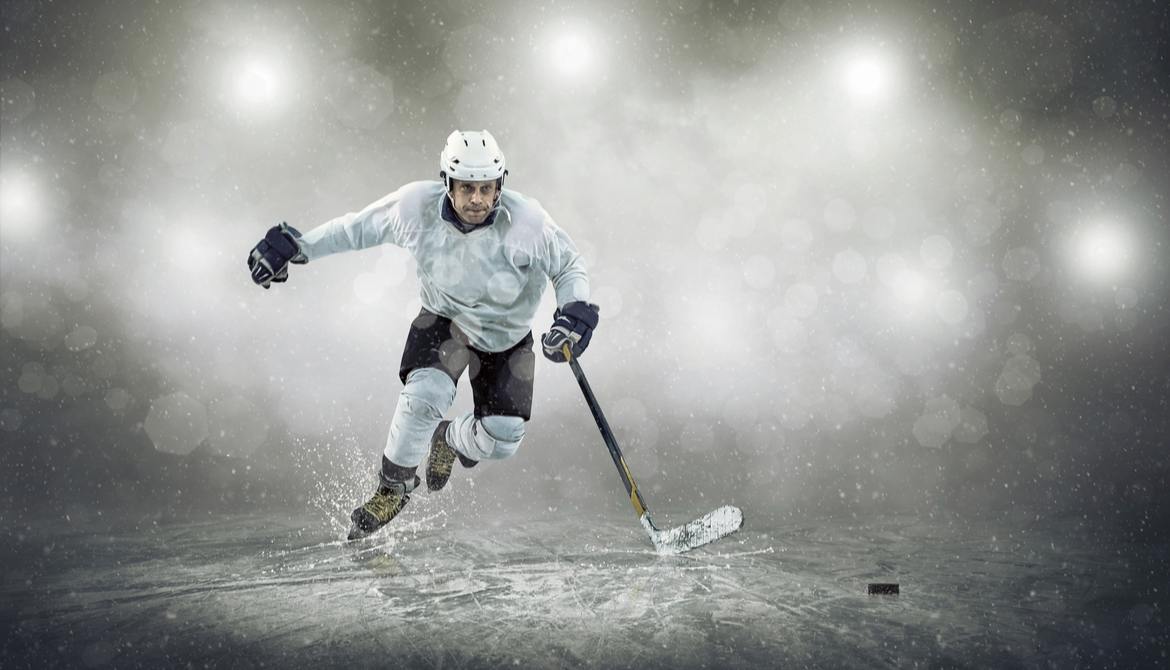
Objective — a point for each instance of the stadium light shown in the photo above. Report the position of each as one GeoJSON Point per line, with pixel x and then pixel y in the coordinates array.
{"type": "Point", "coordinates": [256, 84]}
{"type": "Point", "coordinates": [571, 52]}
{"type": "Point", "coordinates": [868, 76]}
{"type": "Point", "coordinates": [1102, 252]}
{"type": "Point", "coordinates": [20, 203]}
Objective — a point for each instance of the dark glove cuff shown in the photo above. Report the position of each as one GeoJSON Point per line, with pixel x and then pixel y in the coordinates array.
{"type": "Point", "coordinates": [586, 313]}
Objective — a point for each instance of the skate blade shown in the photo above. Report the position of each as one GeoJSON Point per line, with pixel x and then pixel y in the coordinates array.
{"type": "Point", "coordinates": [705, 529]}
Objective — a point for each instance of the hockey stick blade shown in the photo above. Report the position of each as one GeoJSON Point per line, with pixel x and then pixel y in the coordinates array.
{"type": "Point", "coordinates": [707, 528]}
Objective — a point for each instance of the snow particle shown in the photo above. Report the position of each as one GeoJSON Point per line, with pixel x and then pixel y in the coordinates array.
{"type": "Point", "coordinates": [1127, 320]}
{"type": "Point", "coordinates": [1104, 107]}
{"type": "Point", "coordinates": [795, 14]}
{"type": "Point", "coordinates": [82, 338]}
{"type": "Point", "coordinates": [1126, 297]}
{"type": "Point", "coordinates": [1019, 344]}
{"type": "Point", "coordinates": [697, 436]}
{"type": "Point", "coordinates": [847, 353]}
{"type": "Point", "coordinates": [1025, 59]}
{"type": "Point", "coordinates": [1010, 119]}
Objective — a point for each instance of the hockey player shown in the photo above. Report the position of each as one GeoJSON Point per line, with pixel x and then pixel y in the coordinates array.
{"type": "Point", "coordinates": [484, 255]}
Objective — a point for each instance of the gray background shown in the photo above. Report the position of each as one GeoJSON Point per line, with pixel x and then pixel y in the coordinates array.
{"type": "Point", "coordinates": [822, 294]}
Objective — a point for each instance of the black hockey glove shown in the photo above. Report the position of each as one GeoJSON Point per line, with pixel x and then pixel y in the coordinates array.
{"type": "Point", "coordinates": [269, 259]}
{"type": "Point", "coordinates": [573, 323]}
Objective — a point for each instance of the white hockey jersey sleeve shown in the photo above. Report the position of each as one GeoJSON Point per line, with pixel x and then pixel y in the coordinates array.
{"type": "Point", "coordinates": [380, 222]}
{"type": "Point", "coordinates": [566, 266]}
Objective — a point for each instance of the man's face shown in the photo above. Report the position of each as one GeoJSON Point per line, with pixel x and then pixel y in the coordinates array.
{"type": "Point", "coordinates": [473, 199]}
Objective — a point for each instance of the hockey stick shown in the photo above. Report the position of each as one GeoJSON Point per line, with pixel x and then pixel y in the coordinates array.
{"type": "Point", "coordinates": [707, 528]}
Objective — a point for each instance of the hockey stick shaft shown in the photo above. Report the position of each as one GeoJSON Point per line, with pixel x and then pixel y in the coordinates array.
{"type": "Point", "coordinates": [606, 434]}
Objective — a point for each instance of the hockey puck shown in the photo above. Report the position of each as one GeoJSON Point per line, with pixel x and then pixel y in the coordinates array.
{"type": "Point", "coordinates": [883, 590]}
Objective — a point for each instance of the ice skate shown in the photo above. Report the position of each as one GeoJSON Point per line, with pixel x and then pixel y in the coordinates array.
{"type": "Point", "coordinates": [442, 459]}
{"type": "Point", "coordinates": [380, 509]}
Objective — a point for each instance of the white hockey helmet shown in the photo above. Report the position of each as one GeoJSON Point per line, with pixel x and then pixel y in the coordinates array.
{"type": "Point", "coordinates": [471, 155]}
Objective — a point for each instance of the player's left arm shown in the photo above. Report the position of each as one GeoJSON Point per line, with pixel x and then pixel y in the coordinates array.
{"type": "Point", "coordinates": [575, 317]}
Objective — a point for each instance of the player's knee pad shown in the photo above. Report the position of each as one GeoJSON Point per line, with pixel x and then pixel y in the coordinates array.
{"type": "Point", "coordinates": [504, 432]}
{"type": "Point", "coordinates": [429, 392]}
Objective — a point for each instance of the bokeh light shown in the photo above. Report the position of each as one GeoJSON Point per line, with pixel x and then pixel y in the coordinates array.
{"type": "Point", "coordinates": [21, 203]}
{"type": "Point", "coordinates": [572, 52]}
{"type": "Point", "coordinates": [1102, 252]}
{"type": "Point", "coordinates": [868, 75]}
{"type": "Point", "coordinates": [256, 84]}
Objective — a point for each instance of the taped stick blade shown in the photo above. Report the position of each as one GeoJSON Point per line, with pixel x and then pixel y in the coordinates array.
{"type": "Point", "coordinates": [705, 529]}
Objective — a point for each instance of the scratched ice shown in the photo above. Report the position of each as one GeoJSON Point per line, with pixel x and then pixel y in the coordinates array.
{"type": "Point", "coordinates": [565, 590]}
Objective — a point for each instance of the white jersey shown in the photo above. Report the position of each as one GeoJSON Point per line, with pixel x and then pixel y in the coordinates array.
{"type": "Point", "coordinates": [489, 281]}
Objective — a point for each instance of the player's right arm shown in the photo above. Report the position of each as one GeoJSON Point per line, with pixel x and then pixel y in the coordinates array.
{"type": "Point", "coordinates": [380, 222]}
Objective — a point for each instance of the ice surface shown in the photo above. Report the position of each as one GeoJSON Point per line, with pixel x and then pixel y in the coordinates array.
{"type": "Point", "coordinates": [569, 591]}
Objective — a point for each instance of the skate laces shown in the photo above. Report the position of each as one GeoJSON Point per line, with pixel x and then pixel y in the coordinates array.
{"type": "Point", "coordinates": [383, 505]}
{"type": "Point", "coordinates": [444, 457]}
